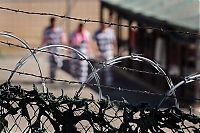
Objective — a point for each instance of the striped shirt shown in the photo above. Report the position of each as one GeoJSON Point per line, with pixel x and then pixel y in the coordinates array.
{"type": "Point", "coordinates": [52, 36]}
{"type": "Point", "coordinates": [104, 41]}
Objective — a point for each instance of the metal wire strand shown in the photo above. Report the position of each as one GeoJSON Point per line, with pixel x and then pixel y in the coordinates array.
{"type": "Point", "coordinates": [96, 85]}
{"type": "Point", "coordinates": [103, 63]}
{"type": "Point", "coordinates": [98, 21]}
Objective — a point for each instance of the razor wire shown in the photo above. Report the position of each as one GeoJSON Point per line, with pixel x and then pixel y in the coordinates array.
{"type": "Point", "coordinates": [187, 80]}
{"type": "Point", "coordinates": [21, 62]}
{"type": "Point", "coordinates": [94, 72]}
{"type": "Point", "coordinates": [24, 59]}
{"type": "Point", "coordinates": [25, 45]}
{"type": "Point", "coordinates": [135, 58]}
{"type": "Point", "coordinates": [109, 63]}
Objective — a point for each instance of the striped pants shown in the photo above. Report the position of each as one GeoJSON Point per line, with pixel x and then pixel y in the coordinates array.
{"type": "Point", "coordinates": [79, 68]}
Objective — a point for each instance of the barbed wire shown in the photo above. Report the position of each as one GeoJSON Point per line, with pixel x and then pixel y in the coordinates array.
{"type": "Point", "coordinates": [98, 21]}
{"type": "Point", "coordinates": [80, 83]}
{"type": "Point", "coordinates": [96, 85]}
{"type": "Point", "coordinates": [95, 61]}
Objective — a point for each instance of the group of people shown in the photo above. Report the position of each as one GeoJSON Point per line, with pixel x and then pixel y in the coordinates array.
{"type": "Point", "coordinates": [104, 48]}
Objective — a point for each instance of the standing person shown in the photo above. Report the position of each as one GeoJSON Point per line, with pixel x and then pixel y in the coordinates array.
{"type": "Point", "coordinates": [52, 35]}
{"type": "Point", "coordinates": [106, 42]}
{"type": "Point", "coordinates": [80, 40]}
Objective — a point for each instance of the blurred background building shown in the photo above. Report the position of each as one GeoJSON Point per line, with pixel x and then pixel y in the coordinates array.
{"type": "Point", "coordinates": [177, 53]}
{"type": "Point", "coordinates": [30, 27]}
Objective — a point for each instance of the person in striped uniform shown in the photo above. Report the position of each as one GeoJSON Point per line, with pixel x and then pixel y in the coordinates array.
{"type": "Point", "coordinates": [106, 42]}
{"type": "Point", "coordinates": [52, 35]}
{"type": "Point", "coordinates": [80, 40]}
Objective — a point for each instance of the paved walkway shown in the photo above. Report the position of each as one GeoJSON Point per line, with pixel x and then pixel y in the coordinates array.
{"type": "Point", "coordinates": [27, 82]}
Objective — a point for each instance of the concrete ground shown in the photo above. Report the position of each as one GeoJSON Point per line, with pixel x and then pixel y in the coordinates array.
{"type": "Point", "coordinates": [9, 61]}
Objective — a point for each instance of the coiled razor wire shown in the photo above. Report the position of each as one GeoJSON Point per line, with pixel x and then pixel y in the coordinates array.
{"type": "Point", "coordinates": [187, 80]}
{"type": "Point", "coordinates": [94, 73]}
{"type": "Point", "coordinates": [24, 44]}
{"type": "Point", "coordinates": [22, 61]}
{"type": "Point", "coordinates": [134, 58]}
{"type": "Point", "coordinates": [31, 111]}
